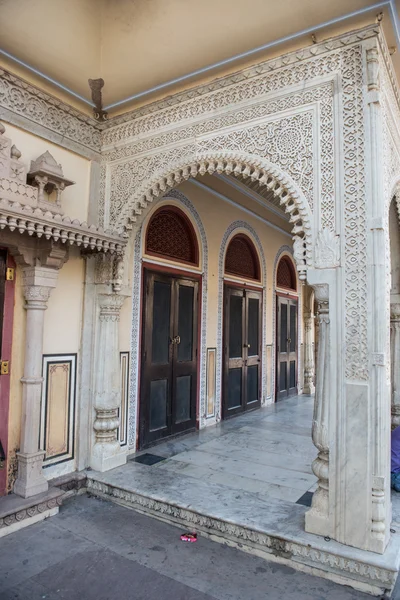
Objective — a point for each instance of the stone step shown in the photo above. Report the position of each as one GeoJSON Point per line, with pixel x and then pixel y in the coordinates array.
{"type": "Point", "coordinates": [17, 512]}
{"type": "Point", "coordinates": [272, 529]}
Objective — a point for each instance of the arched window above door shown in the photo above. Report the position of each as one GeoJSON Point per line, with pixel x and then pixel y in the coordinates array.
{"type": "Point", "coordinates": [170, 235]}
{"type": "Point", "coordinates": [241, 258]}
{"type": "Point", "coordinates": [286, 274]}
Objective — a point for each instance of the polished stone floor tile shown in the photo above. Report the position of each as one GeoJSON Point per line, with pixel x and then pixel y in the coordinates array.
{"type": "Point", "coordinates": [267, 452]}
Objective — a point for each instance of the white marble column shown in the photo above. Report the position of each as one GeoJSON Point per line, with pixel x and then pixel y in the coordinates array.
{"type": "Point", "coordinates": [107, 452]}
{"type": "Point", "coordinates": [317, 518]}
{"type": "Point", "coordinates": [38, 283]}
{"type": "Point", "coordinates": [395, 362]}
{"type": "Point", "coordinates": [308, 354]}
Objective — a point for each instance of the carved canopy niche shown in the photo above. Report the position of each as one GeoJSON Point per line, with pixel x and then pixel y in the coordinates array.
{"type": "Point", "coordinates": [241, 258]}
{"type": "Point", "coordinates": [170, 235]}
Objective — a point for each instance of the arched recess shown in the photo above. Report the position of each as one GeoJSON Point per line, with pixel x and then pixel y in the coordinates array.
{"type": "Point", "coordinates": [171, 235]}
{"type": "Point", "coordinates": [392, 306]}
{"type": "Point", "coordinates": [240, 164]}
{"type": "Point", "coordinates": [235, 228]}
{"type": "Point", "coordinates": [183, 202]}
{"type": "Point", "coordinates": [241, 259]}
{"type": "Point", "coordinates": [282, 252]}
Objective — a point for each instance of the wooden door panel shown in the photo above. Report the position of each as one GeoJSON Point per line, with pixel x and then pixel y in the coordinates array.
{"type": "Point", "coordinates": [184, 365]}
{"type": "Point", "coordinates": [286, 341]}
{"type": "Point", "coordinates": [169, 356]}
{"type": "Point", "coordinates": [156, 384]}
{"type": "Point", "coordinates": [242, 350]}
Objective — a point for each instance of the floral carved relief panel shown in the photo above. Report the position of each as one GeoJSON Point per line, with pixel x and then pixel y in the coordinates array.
{"type": "Point", "coordinates": [266, 118]}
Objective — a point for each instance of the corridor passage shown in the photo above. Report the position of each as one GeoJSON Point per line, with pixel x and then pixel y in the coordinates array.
{"type": "Point", "coordinates": [267, 452]}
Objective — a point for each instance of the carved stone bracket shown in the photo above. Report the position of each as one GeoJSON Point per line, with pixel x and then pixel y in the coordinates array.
{"type": "Point", "coordinates": [327, 250]}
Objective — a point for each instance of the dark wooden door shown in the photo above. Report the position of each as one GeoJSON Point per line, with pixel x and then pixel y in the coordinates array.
{"type": "Point", "coordinates": [169, 356]}
{"type": "Point", "coordinates": [242, 350]}
{"type": "Point", "coordinates": [286, 343]}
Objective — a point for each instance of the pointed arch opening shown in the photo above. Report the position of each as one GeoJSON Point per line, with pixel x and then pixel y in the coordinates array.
{"type": "Point", "coordinates": [171, 235]}
{"type": "Point", "coordinates": [286, 274]}
{"type": "Point", "coordinates": [241, 259]}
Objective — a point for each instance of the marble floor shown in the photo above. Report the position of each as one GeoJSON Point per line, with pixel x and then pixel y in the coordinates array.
{"type": "Point", "coordinates": [248, 482]}
{"type": "Point", "coordinates": [267, 452]}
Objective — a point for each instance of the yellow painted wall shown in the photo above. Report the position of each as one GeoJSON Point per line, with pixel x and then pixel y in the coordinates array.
{"type": "Point", "coordinates": [75, 198]}
{"type": "Point", "coordinates": [63, 317]}
{"type": "Point", "coordinates": [216, 216]}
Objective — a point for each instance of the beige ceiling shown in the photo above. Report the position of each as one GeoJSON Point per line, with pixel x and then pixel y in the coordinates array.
{"type": "Point", "coordinates": [137, 44]}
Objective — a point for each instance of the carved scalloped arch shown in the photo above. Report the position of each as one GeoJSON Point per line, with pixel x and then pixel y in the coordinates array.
{"type": "Point", "coordinates": [395, 193]}
{"type": "Point", "coordinates": [247, 165]}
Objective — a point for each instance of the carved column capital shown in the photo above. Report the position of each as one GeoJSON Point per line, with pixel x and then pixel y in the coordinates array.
{"type": "Point", "coordinates": [373, 69]}
{"type": "Point", "coordinates": [37, 285]}
{"type": "Point", "coordinates": [110, 306]}
{"type": "Point", "coordinates": [394, 311]}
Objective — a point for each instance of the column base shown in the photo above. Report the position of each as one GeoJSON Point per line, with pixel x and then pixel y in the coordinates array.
{"type": "Point", "coordinates": [30, 480]}
{"type": "Point", "coordinates": [309, 389]}
{"type": "Point", "coordinates": [107, 456]}
{"type": "Point", "coordinates": [317, 523]}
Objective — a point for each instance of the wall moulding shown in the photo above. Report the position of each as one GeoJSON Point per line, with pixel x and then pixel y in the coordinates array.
{"type": "Point", "coordinates": [116, 127]}
{"type": "Point", "coordinates": [42, 114]}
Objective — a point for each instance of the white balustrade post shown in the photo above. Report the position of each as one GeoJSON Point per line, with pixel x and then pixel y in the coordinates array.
{"type": "Point", "coordinates": [107, 452]}
{"type": "Point", "coordinates": [317, 517]}
{"type": "Point", "coordinates": [309, 366]}
{"type": "Point", "coordinates": [395, 362]}
{"type": "Point", "coordinates": [38, 283]}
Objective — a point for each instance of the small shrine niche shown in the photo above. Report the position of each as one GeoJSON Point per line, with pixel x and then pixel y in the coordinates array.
{"type": "Point", "coordinates": [10, 166]}
{"type": "Point", "coordinates": [47, 175]}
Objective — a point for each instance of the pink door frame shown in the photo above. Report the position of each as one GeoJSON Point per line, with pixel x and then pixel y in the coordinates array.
{"type": "Point", "coordinates": [7, 333]}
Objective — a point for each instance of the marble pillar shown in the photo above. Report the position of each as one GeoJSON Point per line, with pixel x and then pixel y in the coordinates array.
{"type": "Point", "coordinates": [309, 367]}
{"type": "Point", "coordinates": [395, 362]}
{"type": "Point", "coordinates": [317, 518]}
{"type": "Point", "coordinates": [107, 452]}
{"type": "Point", "coordinates": [38, 283]}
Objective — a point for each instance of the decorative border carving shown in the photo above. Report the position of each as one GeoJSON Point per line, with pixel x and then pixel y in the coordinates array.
{"type": "Point", "coordinates": [31, 511]}
{"type": "Point", "coordinates": [355, 226]}
{"type": "Point", "coordinates": [292, 552]}
{"type": "Point", "coordinates": [23, 103]}
{"type": "Point", "coordinates": [137, 317]}
{"type": "Point", "coordinates": [124, 408]}
{"type": "Point", "coordinates": [280, 68]}
{"type": "Point", "coordinates": [50, 361]}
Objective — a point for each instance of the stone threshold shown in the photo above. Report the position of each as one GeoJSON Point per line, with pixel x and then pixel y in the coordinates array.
{"type": "Point", "coordinates": [17, 512]}
{"type": "Point", "coordinates": [271, 529]}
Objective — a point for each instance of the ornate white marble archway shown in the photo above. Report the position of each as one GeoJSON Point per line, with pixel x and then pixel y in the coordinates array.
{"type": "Point", "coordinates": [240, 164]}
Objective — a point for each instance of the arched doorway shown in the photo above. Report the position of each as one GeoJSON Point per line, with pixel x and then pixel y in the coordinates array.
{"type": "Point", "coordinates": [286, 328]}
{"type": "Point", "coordinates": [242, 327]}
{"type": "Point", "coordinates": [169, 349]}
